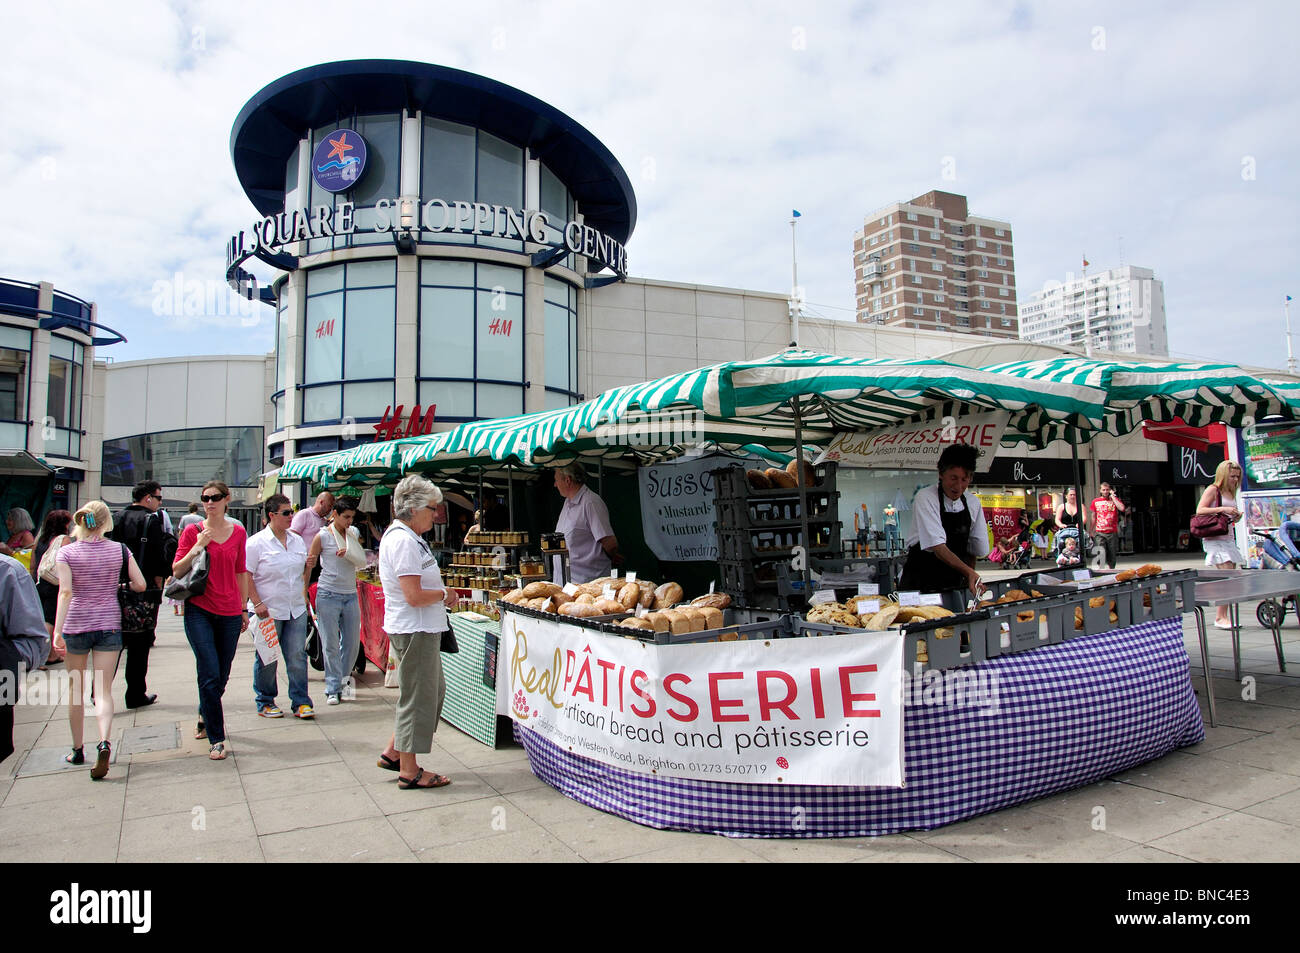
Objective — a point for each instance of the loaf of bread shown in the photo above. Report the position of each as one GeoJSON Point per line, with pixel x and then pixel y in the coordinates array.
{"type": "Point", "coordinates": [635, 623]}
{"type": "Point", "coordinates": [713, 600]}
{"type": "Point", "coordinates": [1150, 569]}
{"type": "Point", "coordinates": [779, 478]}
{"type": "Point", "coordinates": [669, 594]}
{"type": "Point", "coordinates": [758, 480]}
{"type": "Point", "coordinates": [579, 610]}
{"type": "Point", "coordinates": [713, 618]}
{"type": "Point", "coordinates": [809, 471]}
{"type": "Point", "coordinates": [658, 621]}
{"type": "Point", "coordinates": [609, 607]}
{"type": "Point", "coordinates": [678, 624]}
{"type": "Point", "coordinates": [514, 597]}
{"type": "Point", "coordinates": [537, 590]}
{"type": "Point", "coordinates": [1125, 576]}
{"type": "Point", "coordinates": [629, 595]}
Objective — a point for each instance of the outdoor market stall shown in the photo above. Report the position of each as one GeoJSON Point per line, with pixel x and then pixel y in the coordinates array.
{"type": "Point", "coordinates": [1070, 711]}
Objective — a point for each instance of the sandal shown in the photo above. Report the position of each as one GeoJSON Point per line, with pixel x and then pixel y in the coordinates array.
{"type": "Point", "coordinates": [409, 784]}
{"type": "Point", "coordinates": [104, 751]}
{"type": "Point", "coordinates": [78, 756]}
{"type": "Point", "coordinates": [389, 764]}
{"type": "Point", "coordinates": [218, 752]}
{"type": "Point", "coordinates": [200, 732]}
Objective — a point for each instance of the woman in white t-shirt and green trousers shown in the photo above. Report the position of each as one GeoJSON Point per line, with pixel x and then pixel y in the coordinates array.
{"type": "Point", "coordinates": [415, 617]}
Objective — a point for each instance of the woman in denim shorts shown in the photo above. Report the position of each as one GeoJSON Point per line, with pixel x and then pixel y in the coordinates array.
{"type": "Point", "coordinates": [89, 621]}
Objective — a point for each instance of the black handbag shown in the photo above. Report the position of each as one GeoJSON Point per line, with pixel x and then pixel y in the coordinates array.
{"type": "Point", "coordinates": [139, 610]}
{"type": "Point", "coordinates": [449, 642]}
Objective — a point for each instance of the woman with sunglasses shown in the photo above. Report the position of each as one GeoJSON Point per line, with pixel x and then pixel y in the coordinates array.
{"type": "Point", "coordinates": [275, 560]}
{"type": "Point", "coordinates": [337, 547]}
{"type": "Point", "coordinates": [214, 619]}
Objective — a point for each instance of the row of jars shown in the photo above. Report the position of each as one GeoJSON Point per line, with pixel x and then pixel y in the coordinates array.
{"type": "Point", "coordinates": [459, 580]}
{"type": "Point", "coordinates": [496, 538]}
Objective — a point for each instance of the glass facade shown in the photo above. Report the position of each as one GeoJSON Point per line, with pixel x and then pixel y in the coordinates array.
{"type": "Point", "coordinates": [471, 360]}
{"type": "Point", "coordinates": [63, 407]}
{"type": "Point", "coordinates": [185, 457]}
{"type": "Point", "coordinates": [349, 341]}
{"type": "Point", "coordinates": [15, 359]}
{"type": "Point", "coordinates": [459, 163]}
{"type": "Point", "coordinates": [561, 344]}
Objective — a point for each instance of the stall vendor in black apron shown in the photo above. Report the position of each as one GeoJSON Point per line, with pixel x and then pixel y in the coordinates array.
{"type": "Point", "coordinates": [948, 531]}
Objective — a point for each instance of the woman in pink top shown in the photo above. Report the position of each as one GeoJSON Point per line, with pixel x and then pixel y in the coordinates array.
{"type": "Point", "coordinates": [89, 621]}
{"type": "Point", "coordinates": [215, 619]}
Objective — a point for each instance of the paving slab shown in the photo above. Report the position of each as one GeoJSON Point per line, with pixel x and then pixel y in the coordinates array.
{"type": "Point", "coordinates": [533, 845]}
{"type": "Point", "coordinates": [186, 836]}
{"type": "Point", "coordinates": [1126, 810]}
{"type": "Point", "coordinates": [147, 799]}
{"type": "Point", "coordinates": [81, 842]}
{"type": "Point", "coordinates": [308, 809]}
{"type": "Point", "coordinates": [51, 761]}
{"type": "Point", "coordinates": [1021, 834]}
{"type": "Point", "coordinates": [1285, 808]}
{"type": "Point", "coordinates": [440, 824]}
{"type": "Point", "coordinates": [165, 736]}
{"type": "Point", "coordinates": [1227, 784]}
{"type": "Point", "coordinates": [370, 840]}
{"type": "Point", "coordinates": [600, 838]}
{"type": "Point", "coordinates": [1278, 751]}
{"type": "Point", "coordinates": [329, 776]}
{"type": "Point", "coordinates": [1235, 838]}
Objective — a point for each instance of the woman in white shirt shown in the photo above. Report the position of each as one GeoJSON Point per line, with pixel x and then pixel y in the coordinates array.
{"type": "Point", "coordinates": [1221, 551]}
{"type": "Point", "coordinates": [275, 558]}
{"type": "Point", "coordinates": [415, 617]}
{"type": "Point", "coordinates": [338, 614]}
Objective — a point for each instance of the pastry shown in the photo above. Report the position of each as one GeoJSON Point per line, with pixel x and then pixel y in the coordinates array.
{"type": "Point", "coordinates": [758, 480]}
{"type": "Point", "coordinates": [1150, 569]}
{"type": "Point", "coordinates": [1125, 576]}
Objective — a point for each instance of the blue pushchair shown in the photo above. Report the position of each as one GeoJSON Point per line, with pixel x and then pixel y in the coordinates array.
{"type": "Point", "coordinates": [1279, 550]}
{"type": "Point", "coordinates": [1083, 547]}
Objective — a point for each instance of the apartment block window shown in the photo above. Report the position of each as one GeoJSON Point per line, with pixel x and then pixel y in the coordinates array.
{"type": "Point", "coordinates": [983, 274]}
{"type": "Point", "coordinates": [963, 320]}
{"type": "Point", "coordinates": [1004, 309]}
{"type": "Point", "coordinates": [1002, 263]}
{"type": "Point", "coordinates": [884, 222]}
{"type": "Point", "coordinates": [1006, 322]}
{"type": "Point", "coordinates": [919, 312]}
{"type": "Point", "coordinates": [1004, 292]}
{"type": "Point", "coordinates": [938, 299]}
{"type": "Point", "coordinates": [998, 232]}
{"type": "Point", "coordinates": [937, 265]}
{"type": "Point", "coordinates": [940, 280]}
{"type": "Point", "coordinates": [911, 216]}
{"type": "Point", "coordinates": [960, 246]}
{"type": "Point", "coordinates": [916, 279]}
{"type": "Point", "coordinates": [981, 244]}
{"type": "Point", "coordinates": [934, 236]}
{"type": "Point", "coordinates": [913, 247]}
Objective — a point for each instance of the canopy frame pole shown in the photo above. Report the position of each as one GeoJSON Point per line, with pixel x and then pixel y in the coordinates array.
{"type": "Point", "coordinates": [510, 494]}
{"type": "Point", "coordinates": [1078, 494]}
{"type": "Point", "coordinates": [803, 498]}
{"type": "Point", "coordinates": [482, 503]}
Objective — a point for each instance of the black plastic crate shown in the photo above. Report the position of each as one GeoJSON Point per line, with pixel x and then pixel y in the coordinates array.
{"type": "Point", "coordinates": [778, 542]}
{"type": "Point", "coordinates": [730, 483]}
{"type": "Point", "coordinates": [741, 575]}
{"type": "Point", "coordinates": [761, 512]}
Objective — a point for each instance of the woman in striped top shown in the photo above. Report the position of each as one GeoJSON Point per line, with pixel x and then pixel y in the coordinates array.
{"type": "Point", "coordinates": [89, 621]}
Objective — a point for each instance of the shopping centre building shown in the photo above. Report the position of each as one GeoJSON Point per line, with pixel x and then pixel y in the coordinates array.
{"type": "Point", "coordinates": [452, 249]}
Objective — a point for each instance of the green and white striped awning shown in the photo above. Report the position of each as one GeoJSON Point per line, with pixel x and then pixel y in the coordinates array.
{"type": "Point", "coordinates": [738, 403]}
{"type": "Point", "coordinates": [364, 465]}
{"type": "Point", "coordinates": [1197, 394]}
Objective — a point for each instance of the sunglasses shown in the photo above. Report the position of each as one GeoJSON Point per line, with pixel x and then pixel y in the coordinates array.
{"type": "Point", "coordinates": [206, 498]}
{"type": "Point", "coordinates": [285, 513]}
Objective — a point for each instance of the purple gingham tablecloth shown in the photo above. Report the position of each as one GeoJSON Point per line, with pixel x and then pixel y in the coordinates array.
{"type": "Point", "coordinates": [1068, 715]}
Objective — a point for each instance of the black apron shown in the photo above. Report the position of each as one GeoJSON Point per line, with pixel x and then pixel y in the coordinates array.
{"type": "Point", "coordinates": [926, 572]}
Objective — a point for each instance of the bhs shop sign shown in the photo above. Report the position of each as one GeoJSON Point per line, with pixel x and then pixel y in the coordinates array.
{"type": "Point", "coordinates": [784, 711]}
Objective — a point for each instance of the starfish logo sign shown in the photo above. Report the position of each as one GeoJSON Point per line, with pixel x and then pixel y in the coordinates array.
{"type": "Point", "coordinates": [339, 160]}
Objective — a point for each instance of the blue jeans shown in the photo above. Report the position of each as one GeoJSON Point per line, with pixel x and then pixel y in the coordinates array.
{"type": "Point", "coordinates": [293, 646]}
{"type": "Point", "coordinates": [338, 615]}
{"type": "Point", "coordinates": [214, 639]}
{"type": "Point", "coordinates": [891, 537]}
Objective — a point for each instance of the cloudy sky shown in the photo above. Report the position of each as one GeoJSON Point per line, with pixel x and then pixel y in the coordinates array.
{"type": "Point", "coordinates": [1155, 134]}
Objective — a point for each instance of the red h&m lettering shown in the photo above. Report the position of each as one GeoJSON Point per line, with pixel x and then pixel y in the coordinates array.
{"type": "Point", "coordinates": [498, 326]}
{"type": "Point", "coordinates": [325, 329]}
{"type": "Point", "coordinates": [390, 425]}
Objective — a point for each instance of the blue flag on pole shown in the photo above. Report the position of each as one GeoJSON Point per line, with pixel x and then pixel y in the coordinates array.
{"type": "Point", "coordinates": [1288, 297]}
{"type": "Point", "coordinates": [796, 214]}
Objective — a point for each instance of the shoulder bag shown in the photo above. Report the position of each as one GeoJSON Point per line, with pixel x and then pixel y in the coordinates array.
{"type": "Point", "coordinates": [139, 611]}
{"type": "Point", "coordinates": [193, 583]}
{"type": "Point", "coordinates": [1210, 525]}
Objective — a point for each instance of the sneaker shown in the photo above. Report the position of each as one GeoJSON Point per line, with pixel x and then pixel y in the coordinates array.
{"type": "Point", "coordinates": [349, 693]}
{"type": "Point", "coordinates": [304, 712]}
{"type": "Point", "coordinates": [331, 699]}
{"type": "Point", "coordinates": [270, 711]}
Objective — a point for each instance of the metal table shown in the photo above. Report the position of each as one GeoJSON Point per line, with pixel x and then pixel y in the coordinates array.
{"type": "Point", "coordinates": [1231, 587]}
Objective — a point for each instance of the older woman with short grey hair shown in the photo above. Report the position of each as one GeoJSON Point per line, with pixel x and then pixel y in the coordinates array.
{"type": "Point", "coordinates": [415, 617]}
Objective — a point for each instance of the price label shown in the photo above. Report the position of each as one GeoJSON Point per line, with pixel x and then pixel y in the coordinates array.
{"type": "Point", "coordinates": [931, 599]}
{"type": "Point", "coordinates": [608, 592]}
{"type": "Point", "coordinates": [823, 597]}
{"type": "Point", "coordinates": [1084, 584]}
{"type": "Point", "coordinates": [613, 574]}
{"type": "Point", "coordinates": [546, 606]}
{"type": "Point", "coordinates": [570, 589]}
{"type": "Point", "coordinates": [868, 589]}
{"type": "Point", "coordinates": [642, 612]}
{"type": "Point", "coordinates": [477, 595]}
{"type": "Point", "coordinates": [711, 585]}
{"type": "Point", "coordinates": [631, 576]}
{"type": "Point", "coordinates": [1081, 574]}
{"type": "Point", "coordinates": [868, 606]}
{"type": "Point", "coordinates": [910, 599]}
